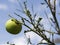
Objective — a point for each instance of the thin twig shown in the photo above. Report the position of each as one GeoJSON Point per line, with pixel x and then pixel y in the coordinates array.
{"type": "Point", "coordinates": [20, 4]}
{"type": "Point", "coordinates": [22, 17]}
{"type": "Point", "coordinates": [53, 12]}
{"type": "Point", "coordinates": [49, 21]}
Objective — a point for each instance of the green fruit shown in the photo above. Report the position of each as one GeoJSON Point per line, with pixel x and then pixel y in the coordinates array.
{"type": "Point", "coordinates": [13, 26]}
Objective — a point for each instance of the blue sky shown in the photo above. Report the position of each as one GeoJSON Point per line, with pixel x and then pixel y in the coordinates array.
{"type": "Point", "coordinates": [9, 7]}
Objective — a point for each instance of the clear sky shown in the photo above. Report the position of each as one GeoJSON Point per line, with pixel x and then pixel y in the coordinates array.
{"type": "Point", "coordinates": [9, 7]}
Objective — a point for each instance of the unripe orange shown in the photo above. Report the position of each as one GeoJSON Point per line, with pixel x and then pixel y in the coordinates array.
{"type": "Point", "coordinates": [13, 26]}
